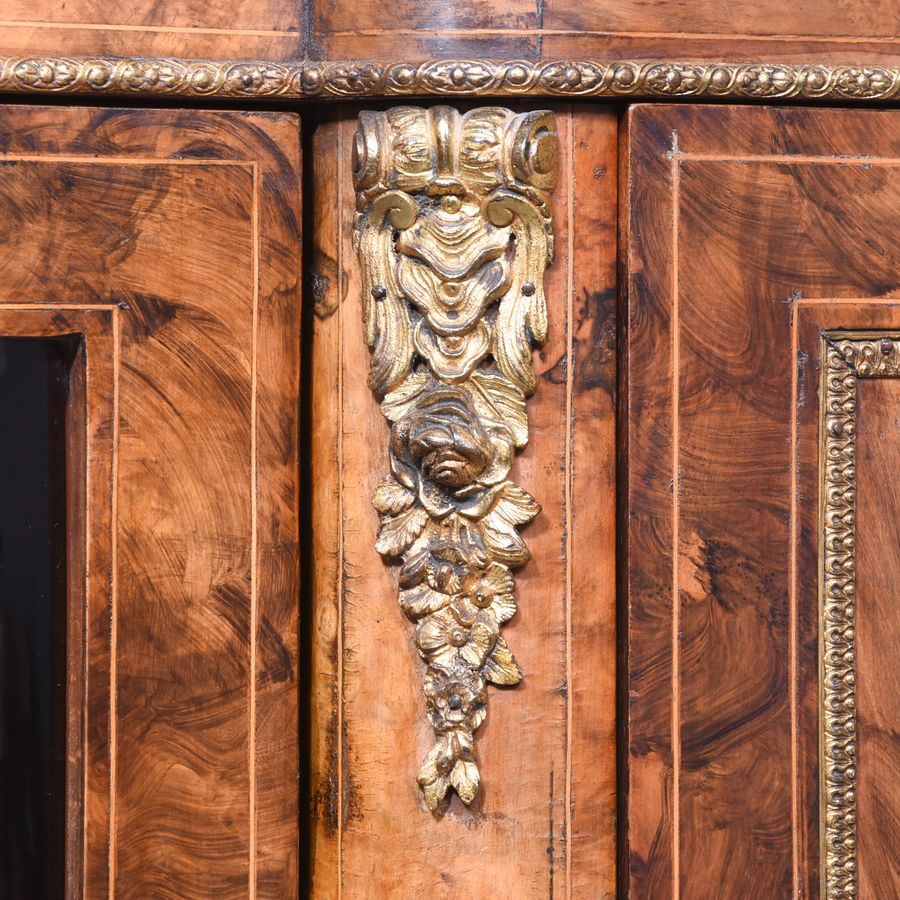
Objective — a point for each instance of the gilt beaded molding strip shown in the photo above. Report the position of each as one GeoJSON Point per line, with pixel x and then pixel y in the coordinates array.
{"type": "Point", "coordinates": [847, 359]}
{"type": "Point", "coordinates": [310, 79]}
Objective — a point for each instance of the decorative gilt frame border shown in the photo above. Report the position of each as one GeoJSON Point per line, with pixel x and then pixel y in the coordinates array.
{"type": "Point", "coordinates": [349, 79]}
{"type": "Point", "coordinates": [847, 358]}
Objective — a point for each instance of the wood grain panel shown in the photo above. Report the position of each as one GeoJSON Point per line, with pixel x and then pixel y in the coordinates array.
{"type": "Point", "coordinates": [646, 358]}
{"type": "Point", "coordinates": [736, 217]}
{"type": "Point", "coordinates": [503, 28]}
{"type": "Point", "coordinates": [184, 687]}
{"type": "Point", "coordinates": [245, 29]}
{"type": "Point", "coordinates": [240, 29]}
{"type": "Point", "coordinates": [412, 43]}
{"type": "Point", "coordinates": [806, 19]}
{"type": "Point", "coordinates": [113, 208]}
{"type": "Point", "coordinates": [326, 196]}
{"type": "Point", "coordinates": [37, 40]}
{"type": "Point", "coordinates": [425, 43]}
{"type": "Point", "coordinates": [543, 822]}
{"type": "Point", "coordinates": [238, 15]}
{"type": "Point", "coordinates": [731, 44]}
{"type": "Point", "coordinates": [590, 522]}
{"type": "Point", "coordinates": [342, 15]}
{"type": "Point", "coordinates": [878, 636]}
{"type": "Point", "coordinates": [614, 29]}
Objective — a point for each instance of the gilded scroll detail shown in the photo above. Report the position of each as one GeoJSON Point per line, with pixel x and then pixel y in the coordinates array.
{"type": "Point", "coordinates": [453, 233]}
{"type": "Point", "coordinates": [459, 77]}
{"type": "Point", "coordinates": [847, 359]}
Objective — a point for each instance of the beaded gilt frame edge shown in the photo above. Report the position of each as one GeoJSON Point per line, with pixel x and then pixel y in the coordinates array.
{"type": "Point", "coordinates": [349, 79]}
{"type": "Point", "coordinates": [848, 357]}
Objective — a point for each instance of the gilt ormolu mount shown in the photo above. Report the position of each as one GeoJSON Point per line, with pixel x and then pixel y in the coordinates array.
{"type": "Point", "coordinates": [453, 233]}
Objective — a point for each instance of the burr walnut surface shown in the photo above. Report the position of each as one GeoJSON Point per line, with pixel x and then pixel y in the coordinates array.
{"type": "Point", "coordinates": [170, 241]}
{"type": "Point", "coordinates": [543, 819]}
{"type": "Point", "coordinates": [751, 232]}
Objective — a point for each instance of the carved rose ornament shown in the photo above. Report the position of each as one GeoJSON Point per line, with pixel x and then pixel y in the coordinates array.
{"type": "Point", "coordinates": [453, 233]}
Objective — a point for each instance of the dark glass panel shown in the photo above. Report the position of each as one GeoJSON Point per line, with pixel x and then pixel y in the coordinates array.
{"type": "Point", "coordinates": [34, 375]}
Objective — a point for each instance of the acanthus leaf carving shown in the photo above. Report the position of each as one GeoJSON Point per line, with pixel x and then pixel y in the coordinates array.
{"type": "Point", "coordinates": [453, 234]}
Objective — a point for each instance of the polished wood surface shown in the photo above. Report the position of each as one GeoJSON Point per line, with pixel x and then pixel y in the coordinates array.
{"type": "Point", "coordinates": [749, 231]}
{"type": "Point", "coordinates": [256, 29]}
{"type": "Point", "coordinates": [544, 821]}
{"type": "Point", "coordinates": [278, 30]}
{"type": "Point", "coordinates": [171, 241]}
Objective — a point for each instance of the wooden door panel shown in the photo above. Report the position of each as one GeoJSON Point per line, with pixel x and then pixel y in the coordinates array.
{"type": "Point", "coordinates": [179, 230]}
{"type": "Point", "coordinates": [742, 223]}
{"type": "Point", "coordinates": [544, 820]}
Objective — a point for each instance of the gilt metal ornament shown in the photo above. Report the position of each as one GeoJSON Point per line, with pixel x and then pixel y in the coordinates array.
{"type": "Point", "coordinates": [848, 358]}
{"type": "Point", "coordinates": [303, 79]}
{"type": "Point", "coordinates": [453, 233]}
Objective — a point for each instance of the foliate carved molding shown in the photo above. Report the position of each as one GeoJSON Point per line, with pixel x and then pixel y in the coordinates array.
{"type": "Point", "coordinates": [461, 77]}
{"type": "Point", "coordinates": [453, 233]}
{"type": "Point", "coordinates": [847, 359]}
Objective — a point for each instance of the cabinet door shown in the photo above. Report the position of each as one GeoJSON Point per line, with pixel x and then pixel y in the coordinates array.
{"type": "Point", "coordinates": [161, 248]}
{"type": "Point", "coordinates": [763, 401]}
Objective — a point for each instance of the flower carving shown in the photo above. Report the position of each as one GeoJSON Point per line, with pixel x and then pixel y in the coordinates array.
{"type": "Point", "coordinates": [453, 233]}
{"type": "Point", "coordinates": [459, 635]}
{"type": "Point", "coordinates": [47, 74]}
{"type": "Point", "coordinates": [444, 451]}
{"type": "Point", "coordinates": [458, 76]}
{"type": "Point", "coordinates": [673, 79]}
{"type": "Point", "coordinates": [765, 81]}
{"type": "Point", "coordinates": [456, 704]}
{"type": "Point", "coordinates": [256, 79]}
{"type": "Point", "coordinates": [491, 589]}
{"type": "Point", "coordinates": [456, 699]}
{"type": "Point", "coordinates": [865, 82]}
